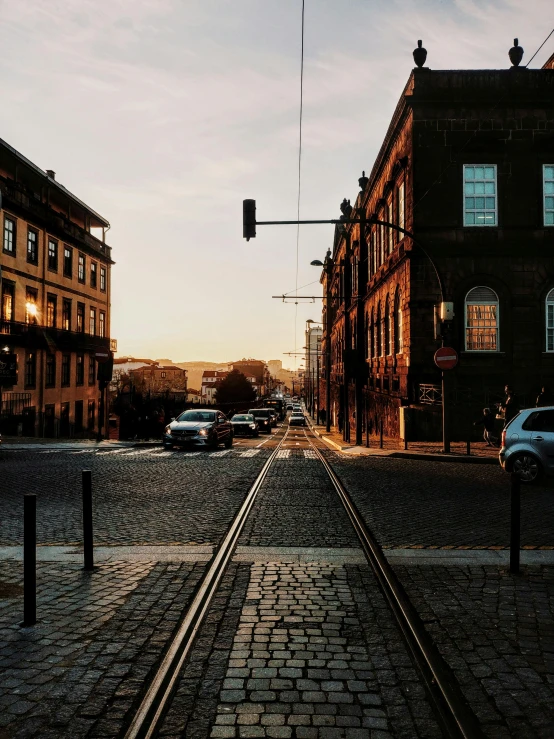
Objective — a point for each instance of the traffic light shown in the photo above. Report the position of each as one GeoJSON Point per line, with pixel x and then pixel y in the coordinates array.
{"type": "Point", "coordinates": [249, 219]}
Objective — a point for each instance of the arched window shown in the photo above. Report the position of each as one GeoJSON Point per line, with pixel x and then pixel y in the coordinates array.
{"type": "Point", "coordinates": [481, 320]}
{"type": "Point", "coordinates": [386, 330]}
{"type": "Point", "coordinates": [398, 324]}
{"type": "Point", "coordinates": [549, 314]}
{"type": "Point", "coordinates": [379, 346]}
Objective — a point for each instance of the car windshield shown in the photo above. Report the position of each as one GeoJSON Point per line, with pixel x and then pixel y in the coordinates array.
{"type": "Point", "coordinates": [197, 416]}
{"type": "Point", "coordinates": [260, 413]}
{"type": "Point", "coordinates": [242, 418]}
{"type": "Point", "coordinates": [297, 413]}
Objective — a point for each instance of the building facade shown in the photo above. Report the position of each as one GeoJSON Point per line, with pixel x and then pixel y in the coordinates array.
{"type": "Point", "coordinates": [55, 302]}
{"type": "Point", "coordinates": [211, 380]}
{"type": "Point", "coordinates": [312, 364]}
{"type": "Point", "coordinates": [158, 380]}
{"type": "Point", "coordinates": [466, 176]}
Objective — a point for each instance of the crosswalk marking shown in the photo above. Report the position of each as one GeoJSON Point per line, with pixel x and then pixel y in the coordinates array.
{"type": "Point", "coordinates": [310, 454]}
{"type": "Point", "coordinates": [250, 453]}
{"type": "Point", "coordinates": [111, 451]}
{"type": "Point", "coordinates": [222, 453]}
{"type": "Point", "coordinates": [283, 454]}
{"type": "Point", "coordinates": [140, 451]}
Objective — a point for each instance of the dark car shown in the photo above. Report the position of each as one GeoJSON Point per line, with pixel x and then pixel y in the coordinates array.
{"type": "Point", "coordinates": [205, 428]}
{"type": "Point", "coordinates": [263, 418]}
{"type": "Point", "coordinates": [274, 416]}
{"type": "Point", "coordinates": [245, 423]}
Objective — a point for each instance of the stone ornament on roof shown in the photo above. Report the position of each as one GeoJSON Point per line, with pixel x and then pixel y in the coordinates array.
{"type": "Point", "coordinates": [420, 54]}
{"type": "Point", "coordinates": [516, 53]}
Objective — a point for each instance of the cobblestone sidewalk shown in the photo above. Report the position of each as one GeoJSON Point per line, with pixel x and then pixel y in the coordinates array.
{"type": "Point", "coordinates": [302, 666]}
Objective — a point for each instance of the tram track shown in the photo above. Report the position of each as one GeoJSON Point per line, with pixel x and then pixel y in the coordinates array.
{"type": "Point", "coordinates": [445, 696]}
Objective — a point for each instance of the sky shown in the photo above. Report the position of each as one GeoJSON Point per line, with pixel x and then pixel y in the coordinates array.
{"type": "Point", "coordinates": [163, 115]}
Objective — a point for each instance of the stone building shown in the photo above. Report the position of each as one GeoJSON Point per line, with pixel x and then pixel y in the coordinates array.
{"type": "Point", "coordinates": [157, 380]}
{"type": "Point", "coordinates": [466, 168]}
{"type": "Point", "coordinates": [55, 309]}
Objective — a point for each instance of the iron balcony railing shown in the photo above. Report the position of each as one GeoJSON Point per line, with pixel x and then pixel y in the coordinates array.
{"type": "Point", "coordinates": [34, 336]}
{"type": "Point", "coordinates": [15, 194]}
{"type": "Point", "coordinates": [430, 394]}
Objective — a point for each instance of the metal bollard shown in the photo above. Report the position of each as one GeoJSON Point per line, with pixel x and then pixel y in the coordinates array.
{"type": "Point", "coordinates": [515, 522]}
{"type": "Point", "coordinates": [29, 560]}
{"type": "Point", "coordinates": [88, 553]}
{"type": "Point", "coordinates": [381, 435]}
{"type": "Point", "coordinates": [468, 447]}
{"type": "Point", "coordinates": [405, 444]}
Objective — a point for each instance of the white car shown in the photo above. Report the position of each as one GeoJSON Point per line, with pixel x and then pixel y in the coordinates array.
{"type": "Point", "coordinates": [297, 418]}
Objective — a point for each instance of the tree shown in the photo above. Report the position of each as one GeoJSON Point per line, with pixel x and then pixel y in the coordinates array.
{"type": "Point", "coordinates": [235, 388]}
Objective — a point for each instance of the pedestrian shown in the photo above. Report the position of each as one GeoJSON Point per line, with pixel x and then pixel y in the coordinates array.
{"type": "Point", "coordinates": [487, 420]}
{"type": "Point", "coordinates": [322, 416]}
{"type": "Point", "coordinates": [510, 405]}
{"type": "Point", "coordinates": [545, 397]}
{"type": "Point", "coordinates": [340, 420]}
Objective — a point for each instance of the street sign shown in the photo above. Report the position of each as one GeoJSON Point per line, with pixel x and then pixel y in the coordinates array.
{"type": "Point", "coordinates": [8, 369]}
{"type": "Point", "coordinates": [446, 358]}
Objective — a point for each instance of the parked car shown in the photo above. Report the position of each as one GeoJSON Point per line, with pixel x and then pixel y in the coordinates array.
{"type": "Point", "coordinates": [263, 418]}
{"type": "Point", "coordinates": [297, 418]}
{"type": "Point", "coordinates": [527, 446]}
{"type": "Point", "coordinates": [245, 424]}
{"type": "Point", "coordinates": [205, 428]}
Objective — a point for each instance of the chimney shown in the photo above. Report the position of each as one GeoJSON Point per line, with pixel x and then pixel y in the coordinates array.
{"type": "Point", "coordinates": [51, 174]}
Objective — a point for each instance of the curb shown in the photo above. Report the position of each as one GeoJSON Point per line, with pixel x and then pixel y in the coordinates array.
{"type": "Point", "coordinates": [399, 454]}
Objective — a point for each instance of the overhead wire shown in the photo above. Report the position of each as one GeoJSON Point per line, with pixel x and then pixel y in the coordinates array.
{"type": "Point", "coordinates": [299, 172]}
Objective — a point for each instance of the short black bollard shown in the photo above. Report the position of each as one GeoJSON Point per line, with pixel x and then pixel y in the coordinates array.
{"type": "Point", "coordinates": [468, 447]}
{"type": "Point", "coordinates": [29, 560]}
{"type": "Point", "coordinates": [88, 553]}
{"type": "Point", "coordinates": [381, 435]}
{"type": "Point", "coordinates": [405, 443]}
{"type": "Point", "coordinates": [515, 519]}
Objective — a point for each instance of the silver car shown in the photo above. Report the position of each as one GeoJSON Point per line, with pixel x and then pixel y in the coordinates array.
{"type": "Point", "coordinates": [528, 444]}
{"type": "Point", "coordinates": [204, 428]}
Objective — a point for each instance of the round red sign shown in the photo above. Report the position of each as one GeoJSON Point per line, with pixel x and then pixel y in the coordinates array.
{"type": "Point", "coordinates": [446, 358]}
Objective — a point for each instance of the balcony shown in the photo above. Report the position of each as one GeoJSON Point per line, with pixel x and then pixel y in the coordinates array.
{"type": "Point", "coordinates": [16, 197]}
{"type": "Point", "coordinates": [33, 336]}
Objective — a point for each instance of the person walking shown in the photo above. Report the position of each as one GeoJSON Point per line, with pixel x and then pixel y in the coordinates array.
{"type": "Point", "coordinates": [487, 420]}
{"type": "Point", "coordinates": [545, 397]}
{"type": "Point", "coordinates": [510, 405]}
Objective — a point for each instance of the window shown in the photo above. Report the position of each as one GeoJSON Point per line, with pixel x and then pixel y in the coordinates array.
{"type": "Point", "coordinates": [382, 242]}
{"type": "Point", "coordinates": [103, 279]}
{"type": "Point", "coordinates": [67, 261]}
{"type": "Point", "coordinates": [398, 325]}
{"type": "Point", "coordinates": [387, 330]}
{"type": "Point", "coordinates": [31, 308]}
{"type": "Point", "coordinates": [30, 369]}
{"type": "Point", "coordinates": [549, 314]}
{"type": "Point", "coordinates": [163, 375]}
{"type": "Point", "coordinates": [8, 300]}
{"type": "Point", "coordinates": [51, 307]}
{"type": "Point", "coordinates": [81, 268]}
{"type": "Point", "coordinates": [32, 246]}
{"type": "Point", "coordinates": [539, 421]}
{"type": "Point", "coordinates": [78, 415]}
{"type": "Point", "coordinates": [66, 370]}
{"type": "Point", "coordinates": [548, 193]}
{"type": "Point", "coordinates": [80, 369]}
{"type": "Point", "coordinates": [66, 314]}
{"type": "Point", "coordinates": [480, 195]}
{"type": "Point", "coordinates": [481, 320]}
{"type": "Point", "coordinates": [101, 323]}
{"type": "Point", "coordinates": [93, 274]}
{"type": "Point", "coordinates": [92, 322]}
{"type": "Point", "coordinates": [400, 199]}
{"type": "Point", "coordinates": [50, 370]}
{"type": "Point", "coordinates": [91, 415]}
{"type": "Point", "coordinates": [379, 344]}
{"type": "Point", "coordinates": [390, 231]}
{"type": "Point", "coordinates": [81, 317]}
{"type": "Point", "coordinates": [91, 370]}
{"type": "Point", "coordinates": [9, 236]}
{"type": "Point", "coordinates": [53, 255]}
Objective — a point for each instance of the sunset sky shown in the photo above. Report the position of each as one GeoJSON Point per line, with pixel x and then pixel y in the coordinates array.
{"type": "Point", "coordinates": [163, 115]}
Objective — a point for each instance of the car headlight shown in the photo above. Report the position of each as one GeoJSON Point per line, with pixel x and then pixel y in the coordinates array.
{"type": "Point", "coordinates": [168, 430]}
{"type": "Point", "coordinates": [203, 432]}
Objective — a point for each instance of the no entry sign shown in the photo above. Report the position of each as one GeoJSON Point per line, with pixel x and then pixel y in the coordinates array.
{"type": "Point", "coordinates": [446, 358]}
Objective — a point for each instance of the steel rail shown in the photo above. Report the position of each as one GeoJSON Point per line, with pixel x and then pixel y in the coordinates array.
{"type": "Point", "coordinates": [454, 713]}
{"type": "Point", "coordinates": [151, 708]}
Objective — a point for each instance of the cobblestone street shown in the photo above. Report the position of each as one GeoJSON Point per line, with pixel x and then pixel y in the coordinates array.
{"type": "Point", "coordinates": [299, 640]}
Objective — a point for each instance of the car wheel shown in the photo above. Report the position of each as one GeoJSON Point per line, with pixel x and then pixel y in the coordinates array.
{"type": "Point", "coordinates": [527, 467]}
{"type": "Point", "coordinates": [168, 446]}
{"type": "Point", "coordinates": [214, 442]}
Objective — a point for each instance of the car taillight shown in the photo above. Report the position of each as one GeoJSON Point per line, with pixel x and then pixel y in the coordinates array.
{"type": "Point", "coordinates": [503, 438]}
